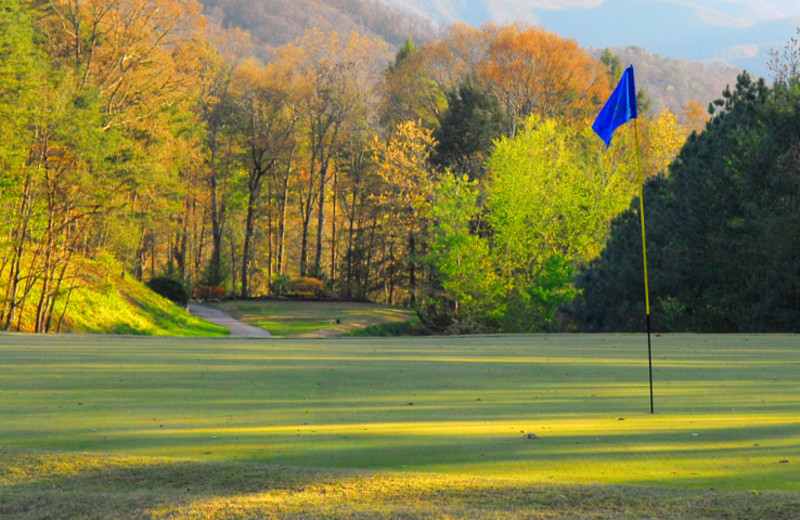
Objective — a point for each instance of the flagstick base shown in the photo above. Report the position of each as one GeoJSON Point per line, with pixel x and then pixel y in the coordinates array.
{"type": "Point", "coordinates": [650, 362]}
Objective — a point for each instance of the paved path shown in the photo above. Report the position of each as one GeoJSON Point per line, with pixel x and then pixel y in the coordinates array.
{"type": "Point", "coordinates": [238, 328]}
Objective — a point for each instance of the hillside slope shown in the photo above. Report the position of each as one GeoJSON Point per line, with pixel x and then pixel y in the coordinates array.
{"type": "Point", "coordinates": [274, 23]}
{"type": "Point", "coordinates": [104, 301]}
{"type": "Point", "coordinates": [738, 32]}
{"type": "Point", "coordinates": [670, 83]}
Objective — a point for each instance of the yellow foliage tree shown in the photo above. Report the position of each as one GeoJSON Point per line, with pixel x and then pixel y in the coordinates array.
{"type": "Point", "coordinates": [408, 191]}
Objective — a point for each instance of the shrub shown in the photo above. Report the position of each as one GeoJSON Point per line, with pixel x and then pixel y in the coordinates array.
{"type": "Point", "coordinates": [279, 285]}
{"type": "Point", "coordinates": [208, 292]}
{"type": "Point", "coordinates": [171, 289]}
{"type": "Point", "coordinates": [306, 287]}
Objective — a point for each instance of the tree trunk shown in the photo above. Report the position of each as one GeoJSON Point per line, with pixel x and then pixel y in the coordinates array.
{"type": "Point", "coordinates": [181, 246]}
{"type": "Point", "coordinates": [270, 232]}
{"type": "Point", "coordinates": [323, 174]}
{"type": "Point", "coordinates": [282, 224]}
{"type": "Point", "coordinates": [20, 236]}
{"type": "Point", "coordinates": [233, 265]}
{"type": "Point", "coordinates": [214, 275]}
{"type": "Point", "coordinates": [351, 219]}
{"type": "Point", "coordinates": [368, 264]}
{"type": "Point", "coordinates": [248, 236]}
{"type": "Point", "coordinates": [333, 229]}
{"type": "Point", "coordinates": [412, 268]}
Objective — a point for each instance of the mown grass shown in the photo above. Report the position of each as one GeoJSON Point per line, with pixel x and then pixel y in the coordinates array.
{"type": "Point", "coordinates": [279, 328]}
{"type": "Point", "coordinates": [59, 485]}
{"type": "Point", "coordinates": [412, 427]}
{"type": "Point", "coordinates": [294, 318]}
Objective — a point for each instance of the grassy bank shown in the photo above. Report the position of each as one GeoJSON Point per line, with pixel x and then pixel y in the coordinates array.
{"type": "Point", "coordinates": [105, 301]}
{"type": "Point", "coordinates": [408, 427]}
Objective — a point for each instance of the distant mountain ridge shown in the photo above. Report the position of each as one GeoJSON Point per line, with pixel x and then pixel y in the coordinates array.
{"type": "Point", "coordinates": [669, 82]}
{"type": "Point", "coordinates": [275, 23]}
{"type": "Point", "coordinates": [738, 34]}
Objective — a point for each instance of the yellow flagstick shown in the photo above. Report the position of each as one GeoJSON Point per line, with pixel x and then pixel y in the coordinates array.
{"type": "Point", "coordinates": [644, 256]}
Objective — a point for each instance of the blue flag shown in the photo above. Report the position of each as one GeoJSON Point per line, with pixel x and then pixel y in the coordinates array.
{"type": "Point", "coordinates": [620, 108]}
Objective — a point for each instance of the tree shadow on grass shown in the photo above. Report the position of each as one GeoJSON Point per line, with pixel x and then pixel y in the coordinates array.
{"type": "Point", "coordinates": [36, 485]}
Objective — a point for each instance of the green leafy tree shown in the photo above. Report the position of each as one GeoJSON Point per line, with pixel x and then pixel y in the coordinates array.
{"type": "Point", "coordinates": [21, 74]}
{"type": "Point", "coordinates": [613, 65]}
{"type": "Point", "coordinates": [471, 292]}
{"type": "Point", "coordinates": [550, 199]}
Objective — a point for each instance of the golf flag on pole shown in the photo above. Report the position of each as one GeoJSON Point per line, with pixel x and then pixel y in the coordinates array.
{"type": "Point", "coordinates": [619, 109]}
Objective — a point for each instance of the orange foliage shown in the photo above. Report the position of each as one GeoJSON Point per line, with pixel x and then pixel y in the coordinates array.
{"type": "Point", "coordinates": [131, 50]}
{"type": "Point", "coordinates": [695, 116]}
{"type": "Point", "coordinates": [534, 71]}
{"type": "Point", "coordinates": [306, 287]}
{"type": "Point", "coordinates": [208, 293]}
{"type": "Point", "coordinates": [529, 70]}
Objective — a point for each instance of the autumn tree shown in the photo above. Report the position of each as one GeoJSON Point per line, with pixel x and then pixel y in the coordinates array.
{"type": "Point", "coordinates": [138, 57]}
{"type": "Point", "coordinates": [528, 70]}
{"type": "Point", "coordinates": [416, 84]}
{"type": "Point", "coordinates": [101, 142]}
{"type": "Point", "coordinates": [218, 113]}
{"type": "Point", "coordinates": [334, 78]}
{"type": "Point", "coordinates": [268, 120]}
{"type": "Point", "coordinates": [405, 200]}
{"type": "Point", "coordinates": [532, 71]}
{"type": "Point", "coordinates": [359, 186]}
{"type": "Point", "coordinates": [21, 75]}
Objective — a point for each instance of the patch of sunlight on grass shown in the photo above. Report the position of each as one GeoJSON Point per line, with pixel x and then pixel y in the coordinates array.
{"type": "Point", "coordinates": [146, 487]}
{"type": "Point", "coordinates": [418, 495]}
{"type": "Point", "coordinates": [672, 424]}
{"type": "Point", "coordinates": [292, 327]}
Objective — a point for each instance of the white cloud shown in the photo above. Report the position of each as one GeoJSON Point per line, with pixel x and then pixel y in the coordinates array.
{"type": "Point", "coordinates": [503, 11]}
{"type": "Point", "coordinates": [714, 16]}
{"type": "Point", "coordinates": [738, 52]}
{"type": "Point", "coordinates": [742, 13]}
{"type": "Point", "coordinates": [557, 4]}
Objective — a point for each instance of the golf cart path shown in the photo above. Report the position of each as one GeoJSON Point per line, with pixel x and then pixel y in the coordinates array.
{"type": "Point", "coordinates": [238, 328]}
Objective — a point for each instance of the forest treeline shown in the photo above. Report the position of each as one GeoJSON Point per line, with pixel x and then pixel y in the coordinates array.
{"type": "Point", "coordinates": [669, 82]}
{"type": "Point", "coordinates": [459, 176]}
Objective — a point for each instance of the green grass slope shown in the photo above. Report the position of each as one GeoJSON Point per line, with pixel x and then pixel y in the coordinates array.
{"type": "Point", "coordinates": [407, 427]}
{"type": "Point", "coordinates": [106, 302]}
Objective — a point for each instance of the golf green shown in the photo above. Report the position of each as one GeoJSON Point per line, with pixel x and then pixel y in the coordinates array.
{"type": "Point", "coordinates": [567, 409]}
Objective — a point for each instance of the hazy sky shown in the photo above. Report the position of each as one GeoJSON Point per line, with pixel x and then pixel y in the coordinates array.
{"type": "Point", "coordinates": [722, 12]}
{"type": "Point", "coordinates": [737, 32]}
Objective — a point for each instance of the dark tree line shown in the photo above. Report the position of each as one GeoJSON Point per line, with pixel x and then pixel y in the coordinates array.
{"type": "Point", "coordinates": [723, 228]}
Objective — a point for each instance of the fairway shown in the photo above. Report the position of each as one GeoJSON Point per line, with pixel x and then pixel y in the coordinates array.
{"type": "Point", "coordinates": [316, 319]}
{"type": "Point", "coordinates": [727, 407]}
